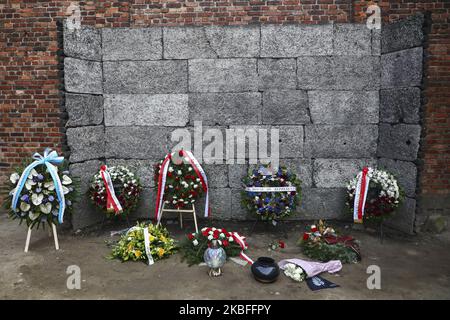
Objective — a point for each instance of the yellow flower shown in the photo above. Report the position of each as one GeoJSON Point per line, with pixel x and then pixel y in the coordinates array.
{"type": "Point", "coordinates": [151, 238]}
{"type": "Point", "coordinates": [160, 252]}
{"type": "Point", "coordinates": [137, 253]}
{"type": "Point", "coordinates": [162, 238]}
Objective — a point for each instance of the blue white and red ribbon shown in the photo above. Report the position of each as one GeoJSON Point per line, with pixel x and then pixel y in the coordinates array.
{"type": "Point", "coordinates": [362, 188]}
{"type": "Point", "coordinates": [112, 203]}
{"type": "Point", "coordinates": [189, 157]}
{"type": "Point", "coordinates": [271, 189]}
{"type": "Point", "coordinates": [50, 159]}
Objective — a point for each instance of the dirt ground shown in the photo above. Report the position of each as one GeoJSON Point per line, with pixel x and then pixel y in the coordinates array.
{"type": "Point", "coordinates": [411, 268]}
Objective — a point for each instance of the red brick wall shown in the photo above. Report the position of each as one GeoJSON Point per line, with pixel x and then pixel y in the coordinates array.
{"type": "Point", "coordinates": [30, 70]}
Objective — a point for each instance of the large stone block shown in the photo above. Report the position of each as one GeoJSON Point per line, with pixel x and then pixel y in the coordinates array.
{"type": "Point", "coordinates": [402, 68]}
{"type": "Point", "coordinates": [238, 211]}
{"type": "Point", "coordinates": [146, 110]}
{"type": "Point", "coordinates": [217, 175]}
{"type": "Point", "coordinates": [323, 203]}
{"type": "Point", "coordinates": [83, 109]}
{"type": "Point", "coordinates": [146, 207]}
{"type": "Point", "coordinates": [223, 75]}
{"type": "Point", "coordinates": [82, 76]}
{"type": "Point", "coordinates": [236, 172]}
{"type": "Point", "coordinates": [278, 41]}
{"type": "Point", "coordinates": [335, 173]}
{"type": "Point", "coordinates": [376, 42]}
{"type": "Point", "coordinates": [344, 107]}
{"type": "Point", "coordinates": [136, 142]}
{"type": "Point", "coordinates": [352, 39]}
{"type": "Point", "coordinates": [277, 74]}
{"type": "Point", "coordinates": [85, 214]}
{"type": "Point", "coordinates": [145, 76]}
{"type": "Point", "coordinates": [285, 107]}
{"type": "Point", "coordinates": [302, 168]}
{"type": "Point", "coordinates": [327, 141]}
{"type": "Point", "coordinates": [403, 34]}
{"type": "Point", "coordinates": [83, 44]}
{"type": "Point", "coordinates": [405, 172]}
{"type": "Point", "coordinates": [403, 219]}
{"type": "Point", "coordinates": [338, 73]}
{"type": "Point", "coordinates": [211, 42]}
{"type": "Point", "coordinates": [242, 143]}
{"type": "Point", "coordinates": [132, 44]}
{"type": "Point", "coordinates": [86, 143]}
{"type": "Point", "coordinates": [85, 172]}
{"type": "Point", "coordinates": [400, 105]}
{"type": "Point", "coordinates": [399, 141]}
{"type": "Point", "coordinates": [225, 108]}
{"type": "Point", "coordinates": [291, 141]}
{"type": "Point", "coordinates": [219, 203]}
{"type": "Point", "coordinates": [142, 168]}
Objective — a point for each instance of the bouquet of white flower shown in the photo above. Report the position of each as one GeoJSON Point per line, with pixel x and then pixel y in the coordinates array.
{"type": "Point", "coordinates": [37, 196]}
{"type": "Point", "coordinates": [294, 272]}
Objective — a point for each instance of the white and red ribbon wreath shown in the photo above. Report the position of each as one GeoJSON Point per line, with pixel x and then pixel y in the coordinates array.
{"type": "Point", "coordinates": [362, 188]}
{"type": "Point", "coordinates": [188, 156]}
{"type": "Point", "coordinates": [112, 203]}
{"type": "Point", "coordinates": [243, 244]}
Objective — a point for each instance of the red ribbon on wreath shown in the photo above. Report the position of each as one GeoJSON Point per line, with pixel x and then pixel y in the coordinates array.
{"type": "Point", "coordinates": [162, 181]}
{"type": "Point", "coordinates": [112, 203]}
{"type": "Point", "coordinates": [362, 188]}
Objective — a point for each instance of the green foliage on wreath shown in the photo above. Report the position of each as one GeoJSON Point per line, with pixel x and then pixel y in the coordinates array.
{"type": "Point", "coordinates": [38, 202]}
{"type": "Point", "coordinates": [195, 244]}
{"type": "Point", "coordinates": [183, 186]}
{"type": "Point", "coordinates": [325, 252]}
{"type": "Point", "coordinates": [315, 246]}
{"type": "Point", "coordinates": [384, 197]}
{"type": "Point", "coordinates": [131, 245]}
{"type": "Point", "coordinates": [127, 188]}
{"type": "Point", "coordinates": [271, 205]}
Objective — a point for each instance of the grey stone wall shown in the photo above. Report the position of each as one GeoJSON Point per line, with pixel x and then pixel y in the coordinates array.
{"type": "Point", "coordinates": [400, 105]}
{"type": "Point", "coordinates": [128, 89]}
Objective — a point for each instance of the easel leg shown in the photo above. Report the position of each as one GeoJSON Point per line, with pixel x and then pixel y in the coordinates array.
{"type": "Point", "coordinates": [195, 218]}
{"type": "Point", "coordinates": [181, 220]}
{"type": "Point", "coordinates": [160, 217]}
{"type": "Point", "coordinates": [55, 236]}
{"type": "Point", "coordinates": [27, 242]}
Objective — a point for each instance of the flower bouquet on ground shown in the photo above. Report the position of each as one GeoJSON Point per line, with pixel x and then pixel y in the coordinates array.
{"type": "Point", "coordinates": [126, 188]}
{"type": "Point", "coordinates": [272, 195]}
{"type": "Point", "coordinates": [196, 243]}
{"type": "Point", "coordinates": [132, 244]}
{"type": "Point", "coordinates": [323, 244]}
{"type": "Point", "coordinates": [378, 197]}
{"type": "Point", "coordinates": [294, 272]}
{"type": "Point", "coordinates": [38, 188]}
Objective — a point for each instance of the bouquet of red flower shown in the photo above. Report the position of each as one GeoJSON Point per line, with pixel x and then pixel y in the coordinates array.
{"type": "Point", "coordinates": [196, 244]}
{"type": "Point", "coordinates": [322, 243]}
{"type": "Point", "coordinates": [183, 185]}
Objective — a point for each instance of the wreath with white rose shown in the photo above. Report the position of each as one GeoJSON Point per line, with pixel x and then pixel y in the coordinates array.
{"type": "Point", "coordinates": [384, 194]}
{"type": "Point", "coordinates": [127, 188]}
{"type": "Point", "coordinates": [183, 185]}
{"type": "Point", "coordinates": [38, 201]}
